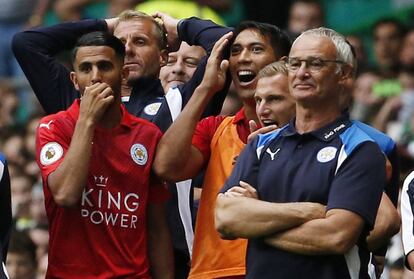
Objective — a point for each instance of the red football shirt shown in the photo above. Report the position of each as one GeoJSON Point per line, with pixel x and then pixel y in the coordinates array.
{"type": "Point", "coordinates": [207, 127]}
{"type": "Point", "coordinates": [104, 236]}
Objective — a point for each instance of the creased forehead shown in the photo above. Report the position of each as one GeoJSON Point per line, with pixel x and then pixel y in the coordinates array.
{"type": "Point", "coordinates": [312, 45]}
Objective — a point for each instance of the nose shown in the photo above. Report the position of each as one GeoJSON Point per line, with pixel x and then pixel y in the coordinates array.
{"type": "Point", "coordinates": [96, 75]}
{"type": "Point", "coordinates": [262, 109]}
{"type": "Point", "coordinates": [128, 47]}
{"type": "Point", "coordinates": [178, 67]}
{"type": "Point", "coordinates": [244, 56]}
{"type": "Point", "coordinates": [303, 70]}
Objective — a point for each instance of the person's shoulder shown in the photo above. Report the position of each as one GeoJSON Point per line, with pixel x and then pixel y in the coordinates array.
{"type": "Point", "coordinates": [136, 122]}
{"type": "Point", "coordinates": [358, 134]}
{"type": "Point", "coordinates": [2, 158]}
{"type": "Point", "coordinates": [55, 121]}
{"type": "Point", "coordinates": [210, 124]}
{"type": "Point", "coordinates": [385, 142]}
{"type": "Point", "coordinates": [214, 119]}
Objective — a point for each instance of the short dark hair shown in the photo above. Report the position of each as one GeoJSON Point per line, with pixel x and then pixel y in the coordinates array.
{"type": "Point", "coordinates": [279, 39]}
{"type": "Point", "coordinates": [100, 38]}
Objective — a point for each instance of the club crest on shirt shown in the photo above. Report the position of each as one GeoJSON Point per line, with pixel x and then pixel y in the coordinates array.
{"type": "Point", "coordinates": [139, 154]}
{"type": "Point", "coordinates": [152, 109]}
{"type": "Point", "coordinates": [50, 153]}
{"type": "Point", "coordinates": [326, 154]}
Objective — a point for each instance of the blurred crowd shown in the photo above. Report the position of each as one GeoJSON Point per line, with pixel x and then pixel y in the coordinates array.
{"type": "Point", "coordinates": [383, 96]}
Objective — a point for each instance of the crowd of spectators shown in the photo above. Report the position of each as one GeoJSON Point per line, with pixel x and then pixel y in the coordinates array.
{"type": "Point", "coordinates": [383, 96]}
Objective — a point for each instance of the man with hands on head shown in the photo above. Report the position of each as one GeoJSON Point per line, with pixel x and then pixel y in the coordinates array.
{"type": "Point", "coordinates": [319, 157]}
{"type": "Point", "coordinates": [189, 145]}
{"type": "Point", "coordinates": [142, 92]}
{"type": "Point", "coordinates": [146, 52]}
{"type": "Point", "coordinates": [95, 160]}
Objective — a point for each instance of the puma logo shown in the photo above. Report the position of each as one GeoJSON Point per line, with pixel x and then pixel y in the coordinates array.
{"type": "Point", "coordinates": [272, 154]}
{"type": "Point", "coordinates": [46, 125]}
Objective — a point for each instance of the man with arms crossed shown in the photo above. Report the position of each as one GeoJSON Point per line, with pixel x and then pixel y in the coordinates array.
{"type": "Point", "coordinates": [105, 207]}
{"type": "Point", "coordinates": [319, 157]}
{"type": "Point", "coordinates": [276, 106]}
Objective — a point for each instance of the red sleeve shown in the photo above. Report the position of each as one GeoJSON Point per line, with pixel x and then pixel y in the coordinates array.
{"type": "Point", "coordinates": [204, 133]}
{"type": "Point", "coordinates": [51, 145]}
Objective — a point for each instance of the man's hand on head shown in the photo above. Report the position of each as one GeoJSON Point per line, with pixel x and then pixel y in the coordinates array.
{"type": "Point", "coordinates": [170, 26]}
{"type": "Point", "coordinates": [111, 22]}
{"type": "Point", "coordinates": [216, 68]}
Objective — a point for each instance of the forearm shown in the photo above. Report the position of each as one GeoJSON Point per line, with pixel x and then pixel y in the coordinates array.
{"type": "Point", "coordinates": [321, 236]}
{"type": "Point", "coordinates": [383, 116]}
{"type": "Point", "coordinates": [215, 104]}
{"type": "Point", "coordinates": [51, 40]}
{"type": "Point", "coordinates": [175, 157]}
{"type": "Point", "coordinates": [251, 218]}
{"type": "Point", "coordinates": [69, 179]}
{"type": "Point", "coordinates": [387, 224]}
{"type": "Point", "coordinates": [159, 245]}
{"type": "Point", "coordinates": [35, 51]}
{"type": "Point", "coordinates": [200, 32]}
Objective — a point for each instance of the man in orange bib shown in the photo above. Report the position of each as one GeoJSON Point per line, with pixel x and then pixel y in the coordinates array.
{"type": "Point", "coordinates": [216, 142]}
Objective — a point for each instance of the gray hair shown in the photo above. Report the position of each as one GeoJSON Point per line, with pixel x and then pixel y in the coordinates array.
{"type": "Point", "coordinates": [343, 47]}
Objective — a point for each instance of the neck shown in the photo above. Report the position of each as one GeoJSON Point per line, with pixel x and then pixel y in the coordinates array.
{"type": "Point", "coordinates": [250, 110]}
{"type": "Point", "coordinates": [125, 90]}
{"type": "Point", "coordinates": [308, 119]}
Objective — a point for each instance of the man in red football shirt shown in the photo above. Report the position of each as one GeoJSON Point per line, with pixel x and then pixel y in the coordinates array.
{"type": "Point", "coordinates": [105, 208]}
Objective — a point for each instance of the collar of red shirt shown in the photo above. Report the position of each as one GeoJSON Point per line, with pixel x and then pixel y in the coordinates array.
{"type": "Point", "coordinates": [127, 118]}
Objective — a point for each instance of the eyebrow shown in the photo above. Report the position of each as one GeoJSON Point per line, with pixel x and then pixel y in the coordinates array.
{"type": "Point", "coordinates": [250, 44]}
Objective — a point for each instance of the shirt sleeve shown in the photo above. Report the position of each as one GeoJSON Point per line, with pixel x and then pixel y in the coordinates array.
{"type": "Point", "coordinates": [204, 133]}
{"type": "Point", "coordinates": [246, 168]}
{"type": "Point", "coordinates": [35, 50]}
{"type": "Point", "coordinates": [359, 182]}
{"type": "Point", "coordinates": [51, 146]}
{"type": "Point", "coordinates": [204, 33]}
{"type": "Point", "coordinates": [407, 213]}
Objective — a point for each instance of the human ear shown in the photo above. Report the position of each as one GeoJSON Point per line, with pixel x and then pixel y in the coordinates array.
{"type": "Point", "coordinates": [163, 57]}
{"type": "Point", "coordinates": [74, 80]}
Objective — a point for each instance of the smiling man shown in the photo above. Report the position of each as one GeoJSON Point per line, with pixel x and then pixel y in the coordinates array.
{"type": "Point", "coordinates": [188, 145]}
{"type": "Point", "coordinates": [180, 65]}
